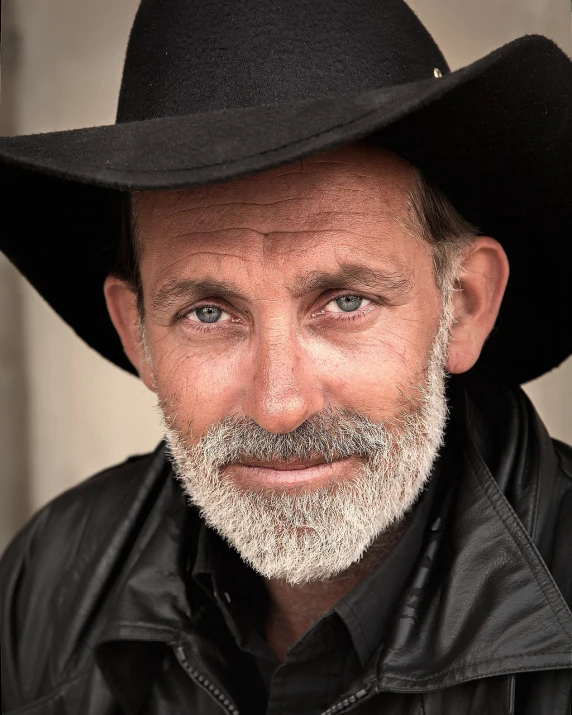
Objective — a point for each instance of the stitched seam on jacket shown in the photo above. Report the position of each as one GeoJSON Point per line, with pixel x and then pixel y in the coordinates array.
{"type": "Point", "coordinates": [505, 671]}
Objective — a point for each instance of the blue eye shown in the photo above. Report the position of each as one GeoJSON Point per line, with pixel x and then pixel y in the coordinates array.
{"type": "Point", "coordinates": [349, 303]}
{"type": "Point", "coordinates": [208, 313]}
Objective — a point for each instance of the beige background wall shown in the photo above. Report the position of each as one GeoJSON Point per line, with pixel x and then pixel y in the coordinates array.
{"type": "Point", "coordinates": [64, 412]}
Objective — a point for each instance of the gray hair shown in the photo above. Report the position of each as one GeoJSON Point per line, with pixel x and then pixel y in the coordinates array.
{"type": "Point", "coordinates": [434, 219]}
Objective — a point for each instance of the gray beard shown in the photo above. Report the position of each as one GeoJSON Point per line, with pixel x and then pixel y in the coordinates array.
{"type": "Point", "coordinates": [313, 535]}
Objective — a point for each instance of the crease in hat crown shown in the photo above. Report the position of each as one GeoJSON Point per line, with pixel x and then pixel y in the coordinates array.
{"type": "Point", "coordinates": [194, 56]}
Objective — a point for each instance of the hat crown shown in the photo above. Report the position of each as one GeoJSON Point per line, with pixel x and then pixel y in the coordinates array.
{"type": "Point", "coordinates": [192, 56]}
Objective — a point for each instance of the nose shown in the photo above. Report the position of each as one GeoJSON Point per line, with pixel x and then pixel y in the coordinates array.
{"type": "Point", "coordinates": [283, 390]}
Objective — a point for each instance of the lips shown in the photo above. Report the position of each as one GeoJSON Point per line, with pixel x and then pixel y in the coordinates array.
{"type": "Point", "coordinates": [280, 464]}
{"type": "Point", "coordinates": [288, 474]}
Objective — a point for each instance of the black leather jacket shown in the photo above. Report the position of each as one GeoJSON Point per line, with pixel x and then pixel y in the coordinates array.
{"type": "Point", "coordinates": [96, 619]}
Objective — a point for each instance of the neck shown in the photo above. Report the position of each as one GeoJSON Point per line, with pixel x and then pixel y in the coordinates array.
{"type": "Point", "coordinates": [292, 610]}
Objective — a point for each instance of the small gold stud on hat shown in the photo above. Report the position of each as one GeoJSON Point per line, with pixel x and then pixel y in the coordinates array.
{"type": "Point", "coordinates": [437, 72]}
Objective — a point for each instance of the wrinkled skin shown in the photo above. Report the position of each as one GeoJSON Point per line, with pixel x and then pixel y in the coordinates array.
{"type": "Point", "coordinates": [282, 349]}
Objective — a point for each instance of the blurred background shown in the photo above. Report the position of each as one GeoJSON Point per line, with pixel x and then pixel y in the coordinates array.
{"type": "Point", "coordinates": [65, 412]}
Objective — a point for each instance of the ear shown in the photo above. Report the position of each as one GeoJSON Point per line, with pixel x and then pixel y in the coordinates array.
{"type": "Point", "coordinates": [476, 301]}
{"type": "Point", "coordinates": [121, 302]}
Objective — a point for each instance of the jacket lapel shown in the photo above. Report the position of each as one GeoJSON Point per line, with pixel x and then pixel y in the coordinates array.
{"type": "Point", "coordinates": [483, 602]}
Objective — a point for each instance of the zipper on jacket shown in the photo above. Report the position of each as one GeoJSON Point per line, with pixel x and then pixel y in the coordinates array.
{"type": "Point", "coordinates": [346, 703]}
{"type": "Point", "coordinates": [200, 679]}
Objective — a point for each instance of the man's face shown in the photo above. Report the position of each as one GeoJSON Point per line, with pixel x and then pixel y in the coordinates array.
{"type": "Point", "coordinates": [295, 338]}
{"type": "Point", "coordinates": [281, 294]}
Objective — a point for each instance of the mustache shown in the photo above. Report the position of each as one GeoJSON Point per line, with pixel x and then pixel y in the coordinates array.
{"type": "Point", "coordinates": [331, 435]}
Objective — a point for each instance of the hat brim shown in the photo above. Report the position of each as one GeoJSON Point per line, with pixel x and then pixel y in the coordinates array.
{"type": "Point", "coordinates": [495, 135]}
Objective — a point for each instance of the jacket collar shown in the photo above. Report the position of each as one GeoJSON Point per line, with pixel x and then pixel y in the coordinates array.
{"type": "Point", "coordinates": [481, 601]}
{"type": "Point", "coordinates": [152, 603]}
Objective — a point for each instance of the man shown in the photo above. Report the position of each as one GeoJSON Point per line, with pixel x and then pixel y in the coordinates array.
{"type": "Point", "coordinates": [303, 236]}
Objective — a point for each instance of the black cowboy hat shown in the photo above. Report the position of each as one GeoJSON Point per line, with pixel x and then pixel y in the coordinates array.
{"type": "Point", "coordinates": [216, 89]}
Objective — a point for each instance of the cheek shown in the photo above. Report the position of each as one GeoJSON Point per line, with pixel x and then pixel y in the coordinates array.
{"type": "Point", "coordinates": [373, 372]}
{"type": "Point", "coordinates": [196, 386]}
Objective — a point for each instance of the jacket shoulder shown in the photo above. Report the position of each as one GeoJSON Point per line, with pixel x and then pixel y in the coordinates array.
{"type": "Point", "coordinates": [46, 562]}
{"type": "Point", "coordinates": [66, 517]}
{"type": "Point", "coordinates": [564, 454]}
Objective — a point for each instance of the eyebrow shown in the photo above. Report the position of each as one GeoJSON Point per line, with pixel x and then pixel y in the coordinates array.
{"type": "Point", "coordinates": [388, 282]}
{"type": "Point", "coordinates": [171, 293]}
{"type": "Point", "coordinates": [391, 284]}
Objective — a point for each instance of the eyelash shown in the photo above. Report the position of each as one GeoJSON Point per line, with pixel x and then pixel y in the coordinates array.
{"type": "Point", "coordinates": [209, 327]}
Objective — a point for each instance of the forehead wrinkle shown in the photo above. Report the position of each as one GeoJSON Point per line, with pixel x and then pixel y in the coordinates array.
{"type": "Point", "coordinates": [270, 234]}
{"type": "Point", "coordinates": [315, 192]}
{"type": "Point", "coordinates": [189, 209]}
{"type": "Point", "coordinates": [318, 224]}
{"type": "Point", "coordinates": [176, 266]}
{"type": "Point", "coordinates": [344, 220]}
{"type": "Point", "coordinates": [293, 168]}
{"type": "Point", "coordinates": [317, 211]}
{"type": "Point", "coordinates": [206, 232]}
{"type": "Point", "coordinates": [312, 231]}
{"type": "Point", "coordinates": [240, 256]}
